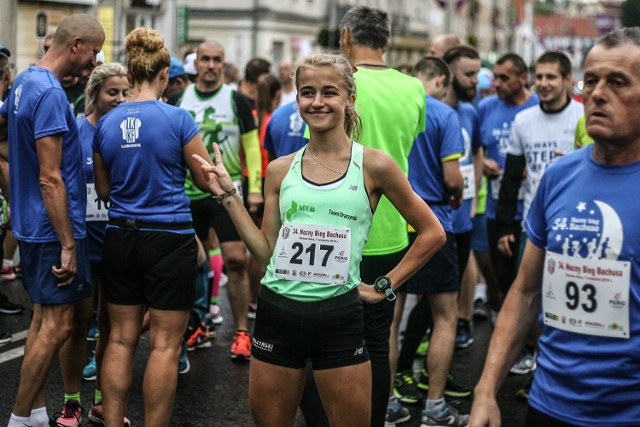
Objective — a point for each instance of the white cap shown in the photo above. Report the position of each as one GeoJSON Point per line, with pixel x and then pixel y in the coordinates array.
{"type": "Point", "coordinates": [189, 64]}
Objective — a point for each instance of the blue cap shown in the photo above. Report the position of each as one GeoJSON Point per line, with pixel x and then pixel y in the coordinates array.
{"type": "Point", "coordinates": [176, 69]}
{"type": "Point", "coordinates": [4, 50]}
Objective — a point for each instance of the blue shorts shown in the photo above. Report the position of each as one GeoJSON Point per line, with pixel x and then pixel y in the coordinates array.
{"type": "Point", "coordinates": [39, 281]}
{"type": "Point", "coordinates": [440, 273]}
{"type": "Point", "coordinates": [479, 235]}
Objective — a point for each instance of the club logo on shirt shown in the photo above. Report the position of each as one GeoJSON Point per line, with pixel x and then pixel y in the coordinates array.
{"type": "Point", "coordinates": [16, 100]}
{"type": "Point", "coordinates": [295, 124]}
{"type": "Point", "coordinates": [131, 130]}
{"type": "Point", "coordinates": [593, 232]}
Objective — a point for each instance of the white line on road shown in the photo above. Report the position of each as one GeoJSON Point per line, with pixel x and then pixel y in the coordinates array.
{"type": "Point", "coordinates": [14, 353]}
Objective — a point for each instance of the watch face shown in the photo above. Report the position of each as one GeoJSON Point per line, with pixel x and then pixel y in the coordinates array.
{"type": "Point", "coordinates": [382, 283]}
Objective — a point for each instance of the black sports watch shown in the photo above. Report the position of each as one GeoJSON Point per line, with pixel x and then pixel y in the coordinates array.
{"type": "Point", "coordinates": [383, 284]}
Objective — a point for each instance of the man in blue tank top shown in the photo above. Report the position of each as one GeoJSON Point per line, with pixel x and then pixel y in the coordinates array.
{"type": "Point", "coordinates": [48, 198]}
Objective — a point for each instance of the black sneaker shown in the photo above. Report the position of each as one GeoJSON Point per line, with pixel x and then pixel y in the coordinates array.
{"type": "Point", "coordinates": [447, 417]}
{"type": "Point", "coordinates": [404, 388]}
{"type": "Point", "coordinates": [451, 389]}
{"type": "Point", "coordinates": [464, 338]}
{"type": "Point", "coordinates": [7, 307]}
{"type": "Point", "coordinates": [5, 337]}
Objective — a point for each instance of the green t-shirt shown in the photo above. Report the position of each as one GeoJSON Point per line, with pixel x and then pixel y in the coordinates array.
{"type": "Point", "coordinates": [582, 137]}
{"type": "Point", "coordinates": [392, 107]}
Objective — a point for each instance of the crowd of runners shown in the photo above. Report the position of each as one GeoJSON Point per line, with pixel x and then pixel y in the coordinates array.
{"type": "Point", "coordinates": [322, 196]}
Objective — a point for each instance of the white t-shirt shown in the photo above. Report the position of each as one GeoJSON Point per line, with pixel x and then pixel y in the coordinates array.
{"type": "Point", "coordinates": [540, 137]}
{"type": "Point", "coordinates": [287, 97]}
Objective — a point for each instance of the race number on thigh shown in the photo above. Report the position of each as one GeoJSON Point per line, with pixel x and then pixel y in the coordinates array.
{"type": "Point", "coordinates": [313, 253]}
{"type": "Point", "coordinates": [586, 296]}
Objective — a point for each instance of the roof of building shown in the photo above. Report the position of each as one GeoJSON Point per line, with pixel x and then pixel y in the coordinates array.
{"type": "Point", "coordinates": [561, 26]}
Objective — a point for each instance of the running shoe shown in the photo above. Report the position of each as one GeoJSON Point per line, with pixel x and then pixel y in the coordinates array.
{"type": "Point", "coordinates": [183, 362]}
{"type": "Point", "coordinates": [216, 315]}
{"type": "Point", "coordinates": [8, 307]}
{"type": "Point", "coordinates": [97, 416]}
{"type": "Point", "coordinates": [17, 270]}
{"type": "Point", "coordinates": [448, 416]}
{"type": "Point", "coordinates": [452, 388]}
{"type": "Point", "coordinates": [423, 348]}
{"type": "Point", "coordinates": [404, 388]}
{"type": "Point", "coordinates": [70, 414]}
{"type": "Point", "coordinates": [93, 333]}
{"type": "Point", "coordinates": [526, 363]}
{"type": "Point", "coordinates": [241, 347]}
{"type": "Point", "coordinates": [396, 414]}
{"type": "Point", "coordinates": [90, 371]}
{"type": "Point", "coordinates": [463, 334]}
{"type": "Point", "coordinates": [201, 338]}
{"type": "Point", "coordinates": [5, 337]}
{"type": "Point", "coordinates": [7, 273]}
{"type": "Point", "coordinates": [480, 309]}
{"type": "Point", "coordinates": [251, 314]}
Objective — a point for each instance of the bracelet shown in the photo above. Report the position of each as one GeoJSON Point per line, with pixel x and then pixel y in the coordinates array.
{"type": "Point", "coordinates": [223, 196]}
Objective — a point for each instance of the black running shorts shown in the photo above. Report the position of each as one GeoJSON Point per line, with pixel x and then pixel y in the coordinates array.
{"type": "Point", "coordinates": [328, 333]}
{"type": "Point", "coordinates": [156, 268]}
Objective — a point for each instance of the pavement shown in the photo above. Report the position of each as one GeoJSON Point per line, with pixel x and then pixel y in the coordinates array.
{"type": "Point", "coordinates": [214, 392]}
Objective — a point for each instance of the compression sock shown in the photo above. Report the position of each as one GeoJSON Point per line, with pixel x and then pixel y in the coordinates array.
{"type": "Point", "coordinates": [215, 261]}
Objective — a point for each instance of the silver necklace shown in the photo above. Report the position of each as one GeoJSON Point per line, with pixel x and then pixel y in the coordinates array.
{"type": "Point", "coordinates": [322, 164]}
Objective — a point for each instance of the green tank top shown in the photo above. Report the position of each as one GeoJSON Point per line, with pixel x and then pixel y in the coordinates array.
{"type": "Point", "coordinates": [339, 208]}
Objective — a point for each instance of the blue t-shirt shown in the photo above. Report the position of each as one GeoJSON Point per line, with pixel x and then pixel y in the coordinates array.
{"type": "Point", "coordinates": [441, 139]}
{"type": "Point", "coordinates": [587, 210]}
{"type": "Point", "coordinates": [285, 131]}
{"type": "Point", "coordinates": [470, 126]}
{"type": "Point", "coordinates": [37, 107]}
{"type": "Point", "coordinates": [95, 229]}
{"type": "Point", "coordinates": [496, 119]}
{"type": "Point", "coordinates": [141, 144]}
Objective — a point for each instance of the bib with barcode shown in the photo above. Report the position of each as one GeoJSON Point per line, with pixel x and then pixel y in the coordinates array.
{"type": "Point", "coordinates": [97, 210]}
{"type": "Point", "coordinates": [313, 253]}
{"type": "Point", "coordinates": [469, 181]}
{"type": "Point", "coordinates": [586, 296]}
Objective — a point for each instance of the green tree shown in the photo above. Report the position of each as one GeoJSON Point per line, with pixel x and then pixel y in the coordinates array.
{"type": "Point", "coordinates": [631, 13]}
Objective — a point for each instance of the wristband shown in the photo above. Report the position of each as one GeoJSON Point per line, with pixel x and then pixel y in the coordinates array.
{"type": "Point", "coordinates": [223, 196]}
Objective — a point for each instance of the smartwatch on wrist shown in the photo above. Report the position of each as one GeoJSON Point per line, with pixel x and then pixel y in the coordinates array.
{"type": "Point", "coordinates": [383, 284]}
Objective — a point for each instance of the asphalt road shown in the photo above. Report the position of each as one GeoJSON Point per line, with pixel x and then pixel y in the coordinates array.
{"type": "Point", "coordinates": [214, 392]}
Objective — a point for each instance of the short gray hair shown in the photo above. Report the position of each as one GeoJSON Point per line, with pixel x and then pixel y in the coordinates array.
{"type": "Point", "coordinates": [369, 27]}
{"type": "Point", "coordinates": [619, 37]}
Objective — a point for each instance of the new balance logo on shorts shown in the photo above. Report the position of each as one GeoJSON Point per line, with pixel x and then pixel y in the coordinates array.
{"type": "Point", "coordinates": [359, 351]}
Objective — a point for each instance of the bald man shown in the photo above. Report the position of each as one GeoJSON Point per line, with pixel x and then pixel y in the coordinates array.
{"type": "Point", "coordinates": [48, 199]}
{"type": "Point", "coordinates": [224, 116]}
{"type": "Point", "coordinates": [442, 43]}
{"type": "Point", "coordinates": [285, 69]}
